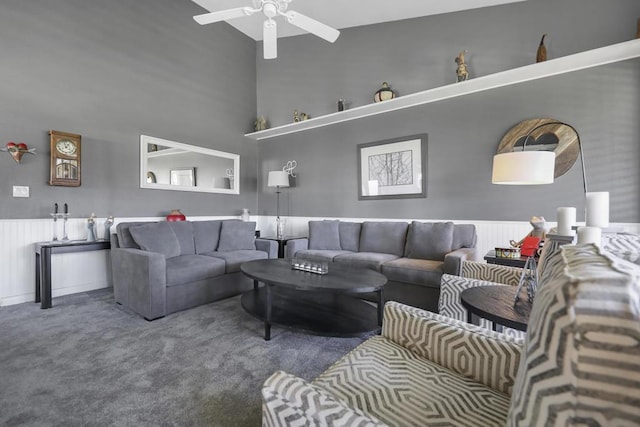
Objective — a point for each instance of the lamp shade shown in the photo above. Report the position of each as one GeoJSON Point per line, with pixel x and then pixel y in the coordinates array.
{"type": "Point", "coordinates": [523, 168]}
{"type": "Point", "coordinates": [278, 179]}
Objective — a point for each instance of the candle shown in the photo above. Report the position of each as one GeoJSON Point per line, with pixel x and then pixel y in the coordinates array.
{"type": "Point", "coordinates": [55, 208]}
{"type": "Point", "coordinates": [598, 209]}
{"type": "Point", "coordinates": [589, 235]}
{"type": "Point", "coordinates": [66, 208]}
{"type": "Point", "coordinates": [566, 220]}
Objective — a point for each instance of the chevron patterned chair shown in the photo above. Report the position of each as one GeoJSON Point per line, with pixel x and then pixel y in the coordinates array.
{"type": "Point", "coordinates": [579, 362]}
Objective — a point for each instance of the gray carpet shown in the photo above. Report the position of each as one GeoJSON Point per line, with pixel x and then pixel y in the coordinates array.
{"type": "Point", "coordinates": [88, 361]}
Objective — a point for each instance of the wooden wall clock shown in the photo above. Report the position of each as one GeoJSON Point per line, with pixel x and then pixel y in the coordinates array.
{"type": "Point", "coordinates": [65, 159]}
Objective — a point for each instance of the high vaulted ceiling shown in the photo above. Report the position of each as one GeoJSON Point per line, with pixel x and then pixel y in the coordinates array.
{"type": "Point", "coordinates": [351, 13]}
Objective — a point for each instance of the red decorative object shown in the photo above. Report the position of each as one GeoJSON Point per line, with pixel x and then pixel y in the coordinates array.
{"type": "Point", "coordinates": [529, 246]}
{"type": "Point", "coordinates": [176, 215]}
{"type": "Point", "coordinates": [17, 150]}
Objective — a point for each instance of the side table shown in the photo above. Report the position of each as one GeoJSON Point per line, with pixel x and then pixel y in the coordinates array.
{"type": "Point", "coordinates": [282, 243]}
{"type": "Point", "coordinates": [495, 303]}
{"type": "Point", "coordinates": [491, 258]}
{"type": "Point", "coordinates": [44, 250]}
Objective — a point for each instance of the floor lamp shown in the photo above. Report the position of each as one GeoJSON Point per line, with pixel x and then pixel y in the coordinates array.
{"type": "Point", "coordinates": [278, 179]}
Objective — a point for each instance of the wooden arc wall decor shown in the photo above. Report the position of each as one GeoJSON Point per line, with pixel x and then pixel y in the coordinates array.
{"type": "Point", "coordinates": [558, 138]}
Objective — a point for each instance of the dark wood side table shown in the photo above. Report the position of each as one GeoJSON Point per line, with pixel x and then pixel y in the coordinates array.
{"type": "Point", "coordinates": [491, 258]}
{"type": "Point", "coordinates": [282, 243]}
{"type": "Point", "coordinates": [495, 303]}
{"type": "Point", "coordinates": [44, 250]}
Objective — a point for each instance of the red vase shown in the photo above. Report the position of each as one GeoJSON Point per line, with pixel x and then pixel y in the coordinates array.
{"type": "Point", "coordinates": [176, 215]}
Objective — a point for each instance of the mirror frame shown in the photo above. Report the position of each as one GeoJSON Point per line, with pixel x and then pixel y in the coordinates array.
{"type": "Point", "coordinates": [146, 139]}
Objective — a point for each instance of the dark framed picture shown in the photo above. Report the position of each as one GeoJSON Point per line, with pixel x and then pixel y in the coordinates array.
{"type": "Point", "coordinates": [393, 168]}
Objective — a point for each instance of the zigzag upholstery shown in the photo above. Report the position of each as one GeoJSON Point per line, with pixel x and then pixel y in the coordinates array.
{"type": "Point", "coordinates": [582, 353]}
{"type": "Point", "coordinates": [625, 246]}
{"type": "Point", "coordinates": [491, 272]}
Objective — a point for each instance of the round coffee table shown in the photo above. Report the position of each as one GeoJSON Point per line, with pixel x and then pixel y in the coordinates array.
{"type": "Point", "coordinates": [326, 304]}
{"type": "Point", "coordinates": [495, 303]}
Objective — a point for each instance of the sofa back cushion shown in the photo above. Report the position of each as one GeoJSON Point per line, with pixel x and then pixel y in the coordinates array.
{"type": "Point", "coordinates": [429, 240]}
{"type": "Point", "coordinates": [206, 235]}
{"type": "Point", "coordinates": [125, 239]}
{"type": "Point", "coordinates": [237, 235]}
{"type": "Point", "coordinates": [464, 236]}
{"type": "Point", "coordinates": [580, 359]}
{"type": "Point", "coordinates": [156, 237]}
{"type": "Point", "coordinates": [184, 233]}
{"type": "Point", "coordinates": [350, 235]}
{"type": "Point", "coordinates": [324, 235]}
{"type": "Point", "coordinates": [383, 237]}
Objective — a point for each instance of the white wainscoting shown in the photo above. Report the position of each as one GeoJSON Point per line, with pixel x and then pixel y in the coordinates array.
{"type": "Point", "coordinates": [79, 272]}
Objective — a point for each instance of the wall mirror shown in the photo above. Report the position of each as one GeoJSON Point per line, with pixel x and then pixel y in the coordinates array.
{"type": "Point", "coordinates": [170, 165]}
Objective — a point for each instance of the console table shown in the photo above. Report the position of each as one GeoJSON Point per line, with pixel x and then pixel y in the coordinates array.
{"type": "Point", "coordinates": [44, 250]}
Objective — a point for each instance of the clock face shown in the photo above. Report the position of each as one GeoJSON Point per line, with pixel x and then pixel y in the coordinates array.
{"type": "Point", "coordinates": [67, 147]}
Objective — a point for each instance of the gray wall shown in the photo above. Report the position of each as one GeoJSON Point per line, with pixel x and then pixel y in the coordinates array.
{"type": "Point", "coordinates": [110, 71]}
{"type": "Point", "coordinates": [414, 55]}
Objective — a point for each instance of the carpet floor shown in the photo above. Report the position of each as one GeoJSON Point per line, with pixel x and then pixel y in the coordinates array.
{"type": "Point", "coordinates": [89, 361]}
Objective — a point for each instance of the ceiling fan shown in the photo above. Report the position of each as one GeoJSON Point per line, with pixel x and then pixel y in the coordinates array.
{"type": "Point", "coordinates": [270, 9]}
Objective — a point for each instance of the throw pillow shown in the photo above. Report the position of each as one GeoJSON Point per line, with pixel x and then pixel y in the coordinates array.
{"type": "Point", "coordinates": [429, 240]}
{"type": "Point", "coordinates": [580, 362]}
{"type": "Point", "coordinates": [324, 235]}
{"type": "Point", "coordinates": [156, 237]}
{"type": "Point", "coordinates": [237, 235]}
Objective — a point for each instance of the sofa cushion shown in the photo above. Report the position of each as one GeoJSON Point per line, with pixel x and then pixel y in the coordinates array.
{"type": "Point", "coordinates": [206, 235]}
{"type": "Point", "coordinates": [464, 236]}
{"type": "Point", "coordinates": [233, 259]}
{"type": "Point", "coordinates": [125, 239]}
{"type": "Point", "coordinates": [190, 268]}
{"type": "Point", "coordinates": [422, 272]}
{"type": "Point", "coordinates": [237, 235]}
{"type": "Point", "coordinates": [400, 388]}
{"type": "Point", "coordinates": [580, 359]}
{"type": "Point", "coordinates": [324, 235]}
{"type": "Point", "coordinates": [350, 235]}
{"type": "Point", "coordinates": [371, 260]}
{"type": "Point", "coordinates": [319, 256]}
{"type": "Point", "coordinates": [156, 237]}
{"type": "Point", "coordinates": [429, 240]}
{"type": "Point", "coordinates": [184, 233]}
{"type": "Point", "coordinates": [383, 237]}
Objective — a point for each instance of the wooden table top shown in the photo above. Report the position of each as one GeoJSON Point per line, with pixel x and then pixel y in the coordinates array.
{"type": "Point", "coordinates": [496, 303]}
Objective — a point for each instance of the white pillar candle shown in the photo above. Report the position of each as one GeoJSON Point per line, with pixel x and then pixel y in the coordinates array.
{"type": "Point", "coordinates": [598, 209]}
{"type": "Point", "coordinates": [589, 235]}
{"type": "Point", "coordinates": [566, 220]}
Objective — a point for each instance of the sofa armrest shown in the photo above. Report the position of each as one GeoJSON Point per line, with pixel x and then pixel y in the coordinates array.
{"type": "Point", "coordinates": [268, 246]}
{"type": "Point", "coordinates": [140, 281]}
{"type": "Point", "coordinates": [289, 400]}
{"type": "Point", "coordinates": [295, 245]}
{"type": "Point", "coordinates": [453, 260]}
{"type": "Point", "coordinates": [485, 356]}
{"type": "Point", "coordinates": [491, 272]}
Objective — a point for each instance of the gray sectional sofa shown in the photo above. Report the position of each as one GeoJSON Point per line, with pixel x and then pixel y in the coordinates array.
{"type": "Point", "coordinates": [162, 267]}
{"type": "Point", "coordinates": [412, 256]}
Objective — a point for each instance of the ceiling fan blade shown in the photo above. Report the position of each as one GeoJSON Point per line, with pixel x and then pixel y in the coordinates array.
{"type": "Point", "coordinates": [270, 39]}
{"type": "Point", "coordinates": [223, 15]}
{"type": "Point", "coordinates": [311, 25]}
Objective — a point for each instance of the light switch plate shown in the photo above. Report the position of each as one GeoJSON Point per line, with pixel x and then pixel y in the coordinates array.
{"type": "Point", "coordinates": [20, 191]}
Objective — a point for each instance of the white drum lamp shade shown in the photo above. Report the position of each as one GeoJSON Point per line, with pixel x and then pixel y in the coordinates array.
{"type": "Point", "coordinates": [524, 168]}
{"type": "Point", "coordinates": [278, 179]}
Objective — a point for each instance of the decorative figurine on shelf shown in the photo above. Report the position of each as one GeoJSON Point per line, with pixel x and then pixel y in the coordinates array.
{"type": "Point", "coordinates": [18, 150]}
{"type": "Point", "coordinates": [541, 54]}
{"type": "Point", "coordinates": [91, 228]}
{"type": "Point", "coordinates": [342, 104]}
{"type": "Point", "coordinates": [462, 71]}
{"type": "Point", "coordinates": [260, 124]}
{"type": "Point", "coordinates": [296, 116]}
{"type": "Point", "coordinates": [384, 93]}
{"type": "Point", "coordinates": [539, 231]}
{"type": "Point", "coordinates": [107, 227]}
{"type": "Point", "coordinates": [304, 116]}
{"type": "Point", "coordinates": [176, 215]}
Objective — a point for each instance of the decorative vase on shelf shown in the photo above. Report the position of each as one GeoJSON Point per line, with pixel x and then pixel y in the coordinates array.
{"type": "Point", "coordinates": [245, 215]}
{"type": "Point", "coordinates": [176, 215]}
{"type": "Point", "coordinates": [384, 93]}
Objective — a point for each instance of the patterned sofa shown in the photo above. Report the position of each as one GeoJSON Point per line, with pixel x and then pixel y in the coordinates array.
{"type": "Point", "coordinates": [579, 363]}
{"type": "Point", "coordinates": [412, 256]}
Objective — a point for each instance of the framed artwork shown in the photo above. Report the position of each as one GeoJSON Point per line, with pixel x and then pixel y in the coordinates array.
{"type": "Point", "coordinates": [393, 169]}
{"type": "Point", "coordinates": [183, 176]}
{"type": "Point", "coordinates": [65, 159]}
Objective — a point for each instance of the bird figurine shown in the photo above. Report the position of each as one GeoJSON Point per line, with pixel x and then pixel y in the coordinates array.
{"type": "Point", "coordinates": [541, 55]}
{"type": "Point", "coordinates": [462, 71]}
